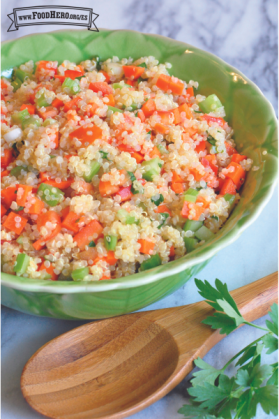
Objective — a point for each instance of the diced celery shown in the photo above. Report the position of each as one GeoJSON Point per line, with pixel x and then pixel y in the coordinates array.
{"type": "Point", "coordinates": [49, 121]}
{"type": "Point", "coordinates": [120, 86]}
{"type": "Point", "coordinates": [94, 168]}
{"type": "Point", "coordinates": [125, 217]}
{"type": "Point", "coordinates": [150, 263]}
{"type": "Point", "coordinates": [19, 240]}
{"type": "Point", "coordinates": [21, 75]}
{"type": "Point", "coordinates": [41, 100]}
{"type": "Point", "coordinates": [151, 168]}
{"type": "Point", "coordinates": [162, 149]}
{"type": "Point", "coordinates": [113, 109]}
{"type": "Point", "coordinates": [210, 104]}
{"type": "Point", "coordinates": [204, 233]}
{"type": "Point", "coordinates": [16, 171]}
{"type": "Point", "coordinates": [50, 195]}
{"type": "Point", "coordinates": [80, 273]}
{"type": "Point", "coordinates": [16, 84]}
{"type": "Point", "coordinates": [21, 264]}
{"type": "Point", "coordinates": [190, 244]}
{"type": "Point", "coordinates": [191, 195]}
{"type": "Point", "coordinates": [30, 121]}
{"type": "Point", "coordinates": [229, 198]}
{"type": "Point", "coordinates": [192, 225]}
{"type": "Point", "coordinates": [19, 117]}
{"type": "Point", "coordinates": [71, 86]}
{"type": "Point", "coordinates": [110, 242]}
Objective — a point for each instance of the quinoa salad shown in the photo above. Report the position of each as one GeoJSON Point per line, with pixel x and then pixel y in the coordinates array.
{"type": "Point", "coordinates": [110, 168]}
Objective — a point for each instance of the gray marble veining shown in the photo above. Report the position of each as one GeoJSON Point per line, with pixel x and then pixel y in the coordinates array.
{"type": "Point", "coordinates": [243, 33]}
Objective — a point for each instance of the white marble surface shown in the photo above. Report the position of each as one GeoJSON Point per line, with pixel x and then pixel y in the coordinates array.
{"type": "Point", "coordinates": [245, 35]}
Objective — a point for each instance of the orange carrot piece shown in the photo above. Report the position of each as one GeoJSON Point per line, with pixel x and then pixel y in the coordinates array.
{"type": "Point", "coordinates": [3, 210]}
{"type": "Point", "coordinates": [148, 108]}
{"type": "Point", "coordinates": [60, 77]}
{"type": "Point", "coordinates": [106, 188]}
{"type": "Point", "coordinates": [64, 184]}
{"type": "Point", "coordinates": [73, 74]}
{"type": "Point", "coordinates": [31, 108]}
{"type": "Point", "coordinates": [228, 187]}
{"type": "Point", "coordinates": [111, 99]}
{"type": "Point", "coordinates": [177, 117]}
{"type": "Point", "coordinates": [9, 195]}
{"type": "Point", "coordinates": [49, 270]}
{"type": "Point", "coordinates": [22, 193]}
{"type": "Point", "coordinates": [197, 175]}
{"type": "Point", "coordinates": [161, 209]}
{"type": "Point", "coordinates": [155, 152]}
{"type": "Point", "coordinates": [72, 104]}
{"type": "Point", "coordinates": [71, 222]}
{"type": "Point", "coordinates": [87, 134]}
{"type": "Point", "coordinates": [172, 252]}
{"type": "Point", "coordinates": [185, 109]}
{"type": "Point", "coordinates": [65, 211]}
{"type": "Point", "coordinates": [209, 118]}
{"type": "Point", "coordinates": [132, 72]}
{"type": "Point", "coordinates": [4, 173]}
{"type": "Point", "coordinates": [50, 112]}
{"type": "Point", "coordinates": [238, 158]}
{"type": "Point", "coordinates": [141, 115]}
{"type": "Point", "coordinates": [146, 246]}
{"type": "Point", "coordinates": [7, 158]}
{"type": "Point", "coordinates": [166, 83]}
{"type": "Point", "coordinates": [36, 206]}
{"type": "Point", "coordinates": [101, 86]}
{"type": "Point", "coordinates": [88, 233]}
{"type": "Point", "coordinates": [49, 216]}
{"type": "Point", "coordinates": [203, 201]}
{"type": "Point", "coordinates": [84, 188]}
{"type": "Point", "coordinates": [15, 222]}
{"type": "Point", "coordinates": [161, 128]}
{"type": "Point", "coordinates": [110, 258]}
{"type": "Point", "coordinates": [106, 75]}
{"type": "Point", "coordinates": [57, 103]}
{"type": "Point", "coordinates": [238, 176]}
{"type": "Point", "coordinates": [230, 149]}
{"type": "Point", "coordinates": [176, 178]}
{"type": "Point", "coordinates": [185, 209]}
{"type": "Point", "coordinates": [177, 187]}
{"type": "Point", "coordinates": [201, 146]}
{"type": "Point", "coordinates": [198, 211]}
{"type": "Point", "coordinates": [190, 91]}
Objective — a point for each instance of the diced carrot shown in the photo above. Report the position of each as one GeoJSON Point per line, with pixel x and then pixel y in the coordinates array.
{"type": "Point", "coordinates": [184, 109]}
{"type": "Point", "coordinates": [177, 187]}
{"type": "Point", "coordinates": [131, 82]}
{"type": "Point", "coordinates": [197, 175]}
{"type": "Point", "coordinates": [90, 255]}
{"type": "Point", "coordinates": [9, 195]}
{"type": "Point", "coordinates": [84, 188]}
{"type": "Point", "coordinates": [190, 91]}
{"type": "Point", "coordinates": [125, 193]}
{"type": "Point", "coordinates": [87, 134]}
{"type": "Point", "coordinates": [31, 108]}
{"type": "Point", "coordinates": [139, 157]}
{"type": "Point", "coordinates": [4, 173]}
{"type": "Point", "coordinates": [155, 152]}
{"type": "Point", "coordinates": [172, 252]}
{"type": "Point", "coordinates": [238, 158]}
{"type": "Point", "coordinates": [238, 175]}
{"type": "Point", "coordinates": [105, 277]}
{"type": "Point", "coordinates": [50, 112]}
{"type": "Point", "coordinates": [57, 103]}
{"type": "Point", "coordinates": [132, 72]}
{"type": "Point", "coordinates": [201, 146]}
{"type": "Point", "coordinates": [72, 104]}
{"type": "Point", "coordinates": [106, 75]}
{"type": "Point", "coordinates": [141, 115]}
{"type": "Point", "coordinates": [49, 270]}
{"type": "Point", "coordinates": [7, 158]}
{"type": "Point", "coordinates": [230, 149]}
{"type": "Point", "coordinates": [15, 222]}
{"type": "Point", "coordinates": [73, 74]}
{"type": "Point", "coordinates": [204, 202]}
{"type": "Point", "coordinates": [209, 118]}
{"type": "Point", "coordinates": [148, 108]}
{"type": "Point", "coordinates": [22, 193]}
{"type": "Point", "coordinates": [64, 184]}
{"type": "Point", "coordinates": [71, 221]}
{"type": "Point", "coordinates": [91, 109]}
{"type": "Point", "coordinates": [211, 161]}
{"type": "Point", "coordinates": [228, 187]}
{"type": "Point", "coordinates": [36, 206]}
{"type": "Point", "coordinates": [110, 258]}
{"type": "Point", "coordinates": [177, 117]}
{"type": "Point", "coordinates": [198, 211]}
{"type": "Point", "coordinates": [166, 83]}
{"type": "Point", "coordinates": [166, 117]}
{"type": "Point", "coordinates": [101, 86]}
{"type": "Point", "coordinates": [221, 183]}
{"type": "Point", "coordinates": [45, 69]}
{"type": "Point", "coordinates": [161, 209]}
{"type": "Point", "coordinates": [106, 188]}
{"type": "Point", "coordinates": [43, 218]}
{"type": "Point", "coordinates": [65, 211]}
{"type": "Point", "coordinates": [3, 210]}
{"type": "Point", "coordinates": [88, 233]}
{"type": "Point", "coordinates": [111, 100]}
{"type": "Point", "coordinates": [3, 84]}
{"type": "Point", "coordinates": [161, 128]}
{"type": "Point", "coordinates": [176, 178]}
{"type": "Point", "coordinates": [146, 246]}
{"type": "Point", "coordinates": [60, 77]}
{"type": "Point", "coordinates": [185, 210]}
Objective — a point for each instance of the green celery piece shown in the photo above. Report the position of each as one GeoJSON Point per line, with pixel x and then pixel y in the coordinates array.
{"type": "Point", "coordinates": [94, 169]}
{"type": "Point", "coordinates": [113, 109]}
{"type": "Point", "coordinates": [125, 217]}
{"type": "Point", "coordinates": [49, 121]}
{"type": "Point", "coordinates": [41, 101]}
{"type": "Point", "coordinates": [150, 263]}
{"type": "Point", "coordinates": [21, 264]}
{"type": "Point", "coordinates": [120, 86]}
{"type": "Point", "coordinates": [21, 75]}
{"type": "Point", "coordinates": [50, 195]}
{"type": "Point", "coordinates": [192, 225]}
{"type": "Point", "coordinates": [210, 104]}
{"type": "Point", "coordinates": [16, 171]}
{"type": "Point", "coordinates": [162, 149]}
{"type": "Point", "coordinates": [190, 243]}
{"type": "Point", "coordinates": [72, 85]}
{"type": "Point", "coordinates": [110, 242]}
{"type": "Point", "coordinates": [16, 84]}
{"type": "Point", "coordinates": [191, 195]}
{"type": "Point", "coordinates": [19, 240]}
{"type": "Point", "coordinates": [204, 233]}
{"type": "Point", "coordinates": [151, 168]}
{"type": "Point", "coordinates": [30, 121]}
{"type": "Point", "coordinates": [79, 274]}
{"type": "Point", "coordinates": [229, 198]}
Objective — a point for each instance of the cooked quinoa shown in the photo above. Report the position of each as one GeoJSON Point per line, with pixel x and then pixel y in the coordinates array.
{"type": "Point", "coordinates": [109, 168]}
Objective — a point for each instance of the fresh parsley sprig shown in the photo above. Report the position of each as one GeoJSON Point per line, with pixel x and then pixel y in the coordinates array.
{"type": "Point", "coordinates": [214, 394]}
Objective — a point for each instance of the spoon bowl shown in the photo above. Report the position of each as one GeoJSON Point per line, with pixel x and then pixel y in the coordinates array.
{"type": "Point", "coordinates": [113, 368]}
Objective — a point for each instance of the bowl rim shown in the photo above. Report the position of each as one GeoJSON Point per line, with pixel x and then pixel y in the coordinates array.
{"type": "Point", "coordinates": [133, 281]}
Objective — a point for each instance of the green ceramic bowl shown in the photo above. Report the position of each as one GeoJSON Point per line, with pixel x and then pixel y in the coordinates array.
{"type": "Point", "coordinates": [248, 112]}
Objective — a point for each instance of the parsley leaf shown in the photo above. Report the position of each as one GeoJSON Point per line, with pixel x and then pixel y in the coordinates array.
{"type": "Point", "coordinates": [132, 176]}
{"type": "Point", "coordinates": [19, 209]}
{"type": "Point", "coordinates": [104, 154]}
{"type": "Point", "coordinates": [157, 199]}
{"type": "Point", "coordinates": [92, 244]}
{"type": "Point", "coordinates": [207, 374]}
{"type": "Point", "coordinates": [211, 140]}
{"type": "Point", "coordinates": [165, 216]}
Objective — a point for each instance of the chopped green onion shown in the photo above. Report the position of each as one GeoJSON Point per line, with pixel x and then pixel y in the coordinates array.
{"type": "Point", "coordinates": [215, 217]}
{"type": "Point", "coordinates": [21, 264]}
{"type": "Point", "coordinates": [110, 242]}
{"type": "Point", "coordinates": [71, 86]}
{"type": "Point", "coordinates": [50, 194]}
{"type": "Point", "coordinates": [16, 171]}
{"type": "Point", "coordinates": [191, 195]}
{"type": "Point", "coordinates": [164, 217]}
{"type": "Point", "coordinates": [190, 244]}
{"type": "Point", "coordinates": [151, 168]}
{"type": "Point", "coordinates": [120, 86]}
{"type": "Point", "coordinates": [125, 217]}
{"type": "Point", "coordinates": [137, 187]}
{"type": "Point", "coordinates": [80, 273]}
{"type": "Point", "coordinates": [211, 140]}
{"type": "Point", "coordinates": [94, 168]}
{"type": "Point", "coordinates": [142, 65]}
{"type": "Point", "coordinates": [204, 233]}
{"type": "Point", "coordinates": [104, 154]}
{"type": "Point", "coordinates": [150, 263]}
{"type": "Point", "coordinates": [198, 111]}
{"type": "Point", "coordinates": [92, 244]}
{"type": "Point", "coordinates": [132, 176]}
{"type": "Point", "coordinates": [157, 199]}
{"type": "Point", "coordinates": [192, 225]}
{"type": "Point", "coordinates": [210, 104]}
{"type": "Point", "coordinates": [96, 59]}
{"type": "Point", "coordinates": [113, 109]}
{"type": "Point", "coordinates": [19, 209]}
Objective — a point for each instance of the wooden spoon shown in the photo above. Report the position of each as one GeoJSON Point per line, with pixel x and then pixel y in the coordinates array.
{"type": "Point", "coordinates": [113, 368]}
